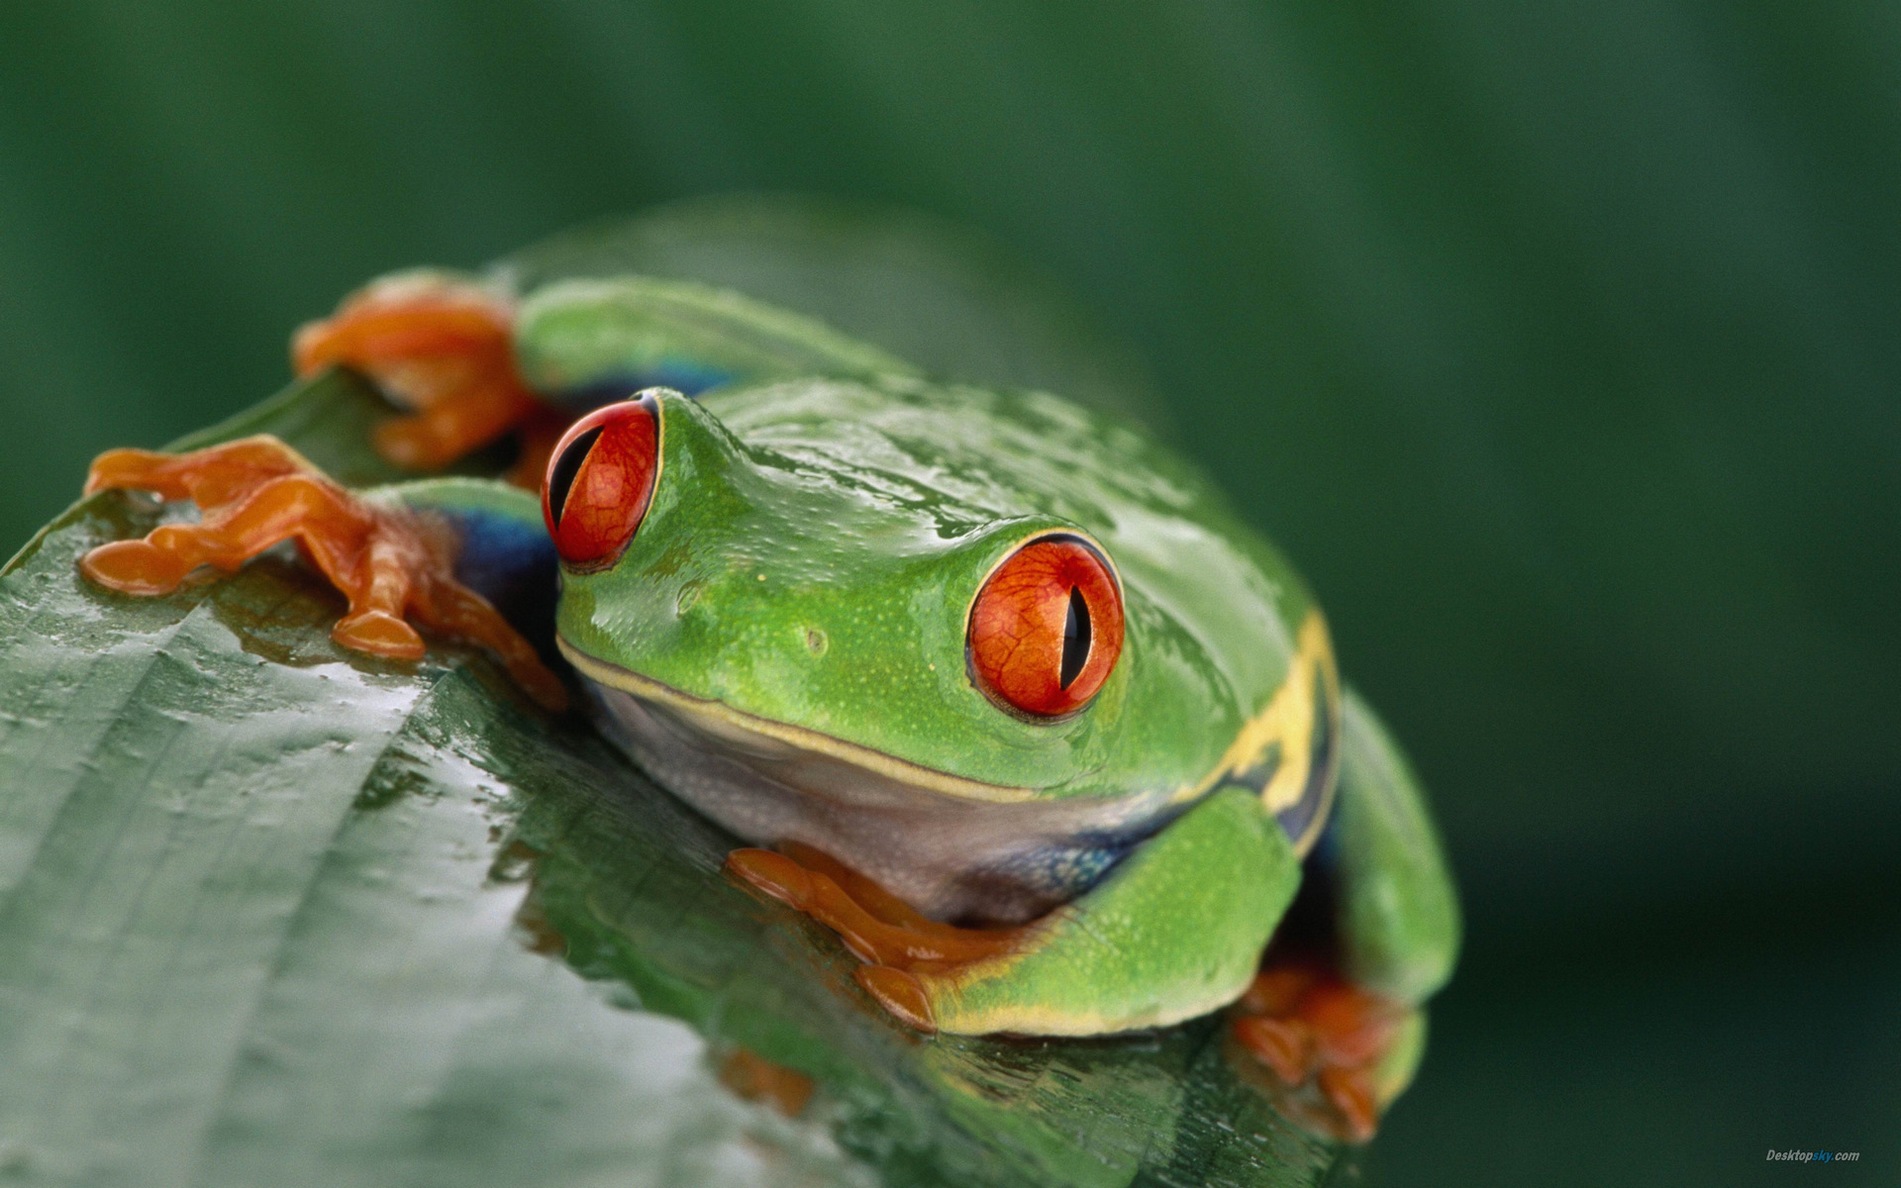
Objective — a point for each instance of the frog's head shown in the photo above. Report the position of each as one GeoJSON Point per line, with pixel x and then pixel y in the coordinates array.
{"type": "Point", "coordinates": [971, 643]}
{"type": "Point", "coordinates": [780, 600]}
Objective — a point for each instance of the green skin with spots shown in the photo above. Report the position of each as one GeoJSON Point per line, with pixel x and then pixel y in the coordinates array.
{"type": "Point", "coordinates": [823, 518]}
{"type": "Point", "coordinates": [873, 511]}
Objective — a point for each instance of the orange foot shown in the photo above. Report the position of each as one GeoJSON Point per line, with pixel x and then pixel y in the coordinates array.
{"type": "Point", "coordinates": [254, 493]}
{"type": "Point", "coordinates": [880, 929]}
{"type": "Point", "coordinates": [1310, 1026]}
{"type": "Point", "coordinates": [440, 345]}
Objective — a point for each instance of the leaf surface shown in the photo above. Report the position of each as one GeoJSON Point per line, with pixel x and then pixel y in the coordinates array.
{"type": "Point", "coordinates": [276, 913]}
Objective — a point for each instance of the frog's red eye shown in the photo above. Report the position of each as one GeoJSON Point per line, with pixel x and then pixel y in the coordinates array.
{"type": "Point", "coordinates": [600, 480]}
{"type": "Point", "coordinates": [1046, 628]}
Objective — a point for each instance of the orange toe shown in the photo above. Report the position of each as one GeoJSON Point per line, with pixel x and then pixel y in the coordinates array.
{"type": "Point", "coordinates": [129, 468]}
{"type": "Point", "coordinates": [899, 993]}
{"type": "Point", "coordinates": [775, 874]}
{"type": "Point", "coordinates": [134, 567]}
{"type": "Point", "coordinates": [380, 634]}
{"type": "Point", "coordinates": [1282, 1045]}
{"type": "Point", "coordinates": [1351, 1092]}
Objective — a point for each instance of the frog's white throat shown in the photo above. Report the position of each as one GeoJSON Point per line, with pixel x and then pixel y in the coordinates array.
{"type": "Point", "coordinates": [955, 849]}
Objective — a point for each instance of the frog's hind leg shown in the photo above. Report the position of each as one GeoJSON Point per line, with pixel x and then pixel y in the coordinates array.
{"type": "Point", "coordinates": [389, 558]}
{"type": "Point", "coordinates": [1319, 1032]}
{"type": "Point", "coordinates": [1337, 1006]}
{"type": "Point", "coordinates": [442, 345]}
{"type": "Point", "coordinates": [1172, 931]}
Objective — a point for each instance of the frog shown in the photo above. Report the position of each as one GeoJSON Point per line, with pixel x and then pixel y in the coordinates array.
{"type": "Point", "coordinates": [994, 687]}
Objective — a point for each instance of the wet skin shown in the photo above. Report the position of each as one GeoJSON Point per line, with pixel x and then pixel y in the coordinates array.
{"type": "Point", "coordinates": [1024, 712]}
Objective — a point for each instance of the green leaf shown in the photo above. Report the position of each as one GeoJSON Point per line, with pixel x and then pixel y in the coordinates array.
{"type": "Point", "coordinates": [277, 913]}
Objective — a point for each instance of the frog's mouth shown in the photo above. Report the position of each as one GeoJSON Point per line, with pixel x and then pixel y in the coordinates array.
{"type": "Point", "coordinates": [953, 848]}
{"type": "Point", "coordinates": [765, 739]}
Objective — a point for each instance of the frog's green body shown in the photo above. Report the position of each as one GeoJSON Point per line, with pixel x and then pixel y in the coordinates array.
{"type": "Point", "coordinates": [808, 566]}
{"type": "Point", "coordinates": [784, 643]}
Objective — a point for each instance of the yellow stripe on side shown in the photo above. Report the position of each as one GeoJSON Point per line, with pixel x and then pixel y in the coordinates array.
{"type": "Point", "coordinates": [1284, 732]}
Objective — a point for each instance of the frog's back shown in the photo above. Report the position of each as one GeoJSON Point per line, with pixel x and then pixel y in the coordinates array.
{"type": "Point", "coordinates": [1231, 675]}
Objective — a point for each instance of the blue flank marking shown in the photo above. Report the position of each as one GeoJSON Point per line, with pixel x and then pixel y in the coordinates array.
{"type": "Point", "coordinates": [511, 562]}
{"type": "Point", "coordinates": [687, 378]}
{"type": "Point", "coordinates": [1325, 856]}
{"type": "Point", "coordinates": [500, 555]}
{"type": "Point", "coordinates": [1064, 872]}
{"type": "Point", "coordinates": [1298, 818]}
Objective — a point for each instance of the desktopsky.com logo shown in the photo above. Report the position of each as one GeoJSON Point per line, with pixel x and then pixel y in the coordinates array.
{"type": "Point", "coordinates": [1794, 1156]}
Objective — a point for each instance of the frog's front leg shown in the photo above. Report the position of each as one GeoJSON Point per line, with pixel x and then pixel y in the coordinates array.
{"type": "Point", "coordinates": [1342, 1010]}
{"type": "Point", "coordinates": [1173, 931]}
{"type": "Point", "coordinates": [393, 554]}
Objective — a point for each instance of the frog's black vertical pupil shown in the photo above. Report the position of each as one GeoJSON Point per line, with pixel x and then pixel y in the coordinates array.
{"type": "Point", "coordinates": [561, 479]}
{"type": "Point", "coordinates": [1075, 639]}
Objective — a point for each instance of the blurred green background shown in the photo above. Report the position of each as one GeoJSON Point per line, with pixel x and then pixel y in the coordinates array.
{"type": "Point", "coordinates": [1558, 343]}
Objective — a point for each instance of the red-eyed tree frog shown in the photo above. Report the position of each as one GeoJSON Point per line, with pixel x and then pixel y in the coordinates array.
{"type": "Point", "coordinates": [995, 686]}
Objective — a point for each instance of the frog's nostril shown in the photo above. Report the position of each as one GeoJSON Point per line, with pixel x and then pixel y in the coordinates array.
{"type": "Point", "coordinates": [688, 596]}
